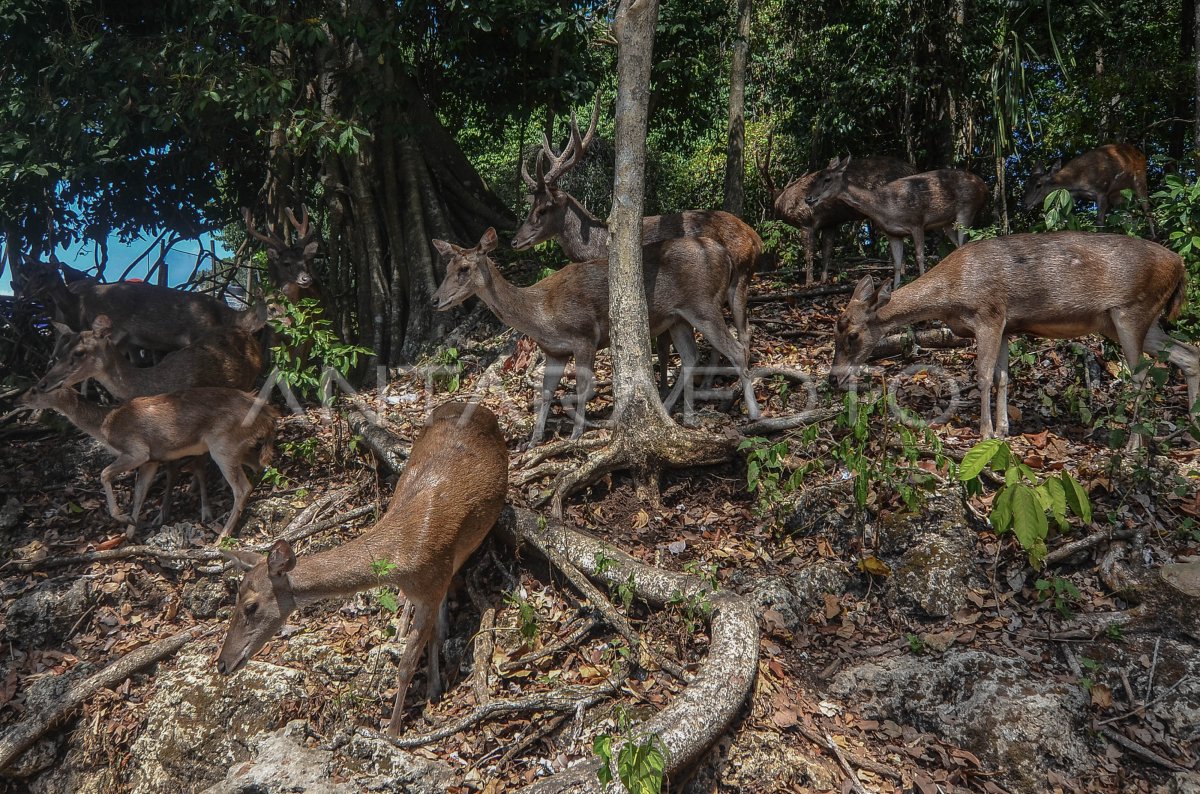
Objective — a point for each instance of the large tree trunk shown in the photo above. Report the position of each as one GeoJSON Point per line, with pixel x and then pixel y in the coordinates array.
{"type": "Point", "coordinates": [633, 382]}
{"type": "Point", "coordinates": [735, 168]}
{"type": "Point", "coordinates": [1196, 53]}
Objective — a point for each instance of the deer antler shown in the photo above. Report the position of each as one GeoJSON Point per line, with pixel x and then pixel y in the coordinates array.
{"type": "Point", "coordinates": [574, 151]}
{"type": "Point", "coordinates": [303, 233]}
{"type": "Point", "coordinates": [275, 242]}
{"type": "Point", "coordinates": [764, 166]}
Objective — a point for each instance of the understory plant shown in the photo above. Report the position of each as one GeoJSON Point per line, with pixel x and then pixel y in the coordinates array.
{"type": "Point", "coordinates": [1025, 502]}
{"type": "Point", "coordinates": [308, 355]}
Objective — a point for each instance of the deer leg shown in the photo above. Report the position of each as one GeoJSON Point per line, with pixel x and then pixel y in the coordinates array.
{"type": "Point", "coordinates": [415, 641]}
{"type": "Point", "coordinates": [1001, 377]}
{"type": "Point", "coordinates": [126, 461]}
{"type": "Point", "coordinates": [1182, 355]}
{"type": "Point", "coordinates": [809, 235]}
{"type": "Point", "coordinates": [164, 512]}
{"type": "Point", "coordinates": [141, 485]}
{"type": "Point", "coordinates": [433, 688]}
{"type": "Point", "coordinates": [662, 348]}
{"type": "Point", "coordinates": [717, 334]}
{"type": "Point", "coordinates": [551, 376]}
{"type": "Point", "coordinates": [230, 464]}
{"type": "Point", "coordinates": [918, 235]}
{"type": "Point", "coordinates": [896, 244]}
{"type": "Point", "coordinates": [826, 253]}
{"type": "Point", "coordinates": [200, 479]}
{"type": "Point", "coordinates": [1142, 191]}
{"type": "Point", "coordinates": [584, 379]}
{"type": "Point", "coordinates": [987, 355]}
{"type": "Point", "coordinates": [1101, 209]}
{"type": "Point", "coordinates": [685, 343]}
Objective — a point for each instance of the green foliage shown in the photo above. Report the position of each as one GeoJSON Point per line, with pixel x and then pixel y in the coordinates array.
{"type": "Point", "coordinates": [916, 645]}
{"type": "Point", "coordinates": [1023, 502]}
{"type": "Point", "coordinates": [641, 765]}
{"type": "Point", "coordinates": [304, 449]}
{"type": "Point", "coordinates": [527, 620]}
{"type": "Point", "coordinates": [385, 595]}
{"type": "Point", "coordinates": [697, 605]}
{"type": "Point", "coordinates": [1060, 592]}
{"type": "Point", "coordinates": [766, 467]}
{"type": "Point", "coordinates": [308, 352]}
{"type": "Point", "coordinates": [1177, 215]}
{"type": "Point", "coordinates": [274, 478]}
{"type": "Point", "coordinates": [448, 369]}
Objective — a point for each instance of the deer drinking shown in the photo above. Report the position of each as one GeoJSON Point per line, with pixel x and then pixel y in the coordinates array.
{"type": "Point", "coordinates": [447, 499]}
{"type": "Point", "coordinates": [1058, 285]}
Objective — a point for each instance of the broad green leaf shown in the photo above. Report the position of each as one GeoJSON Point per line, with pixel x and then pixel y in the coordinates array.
{"type": "Point", "coordinates": [1077, 498]}
{"type": "Point", "coordinates": [977, 458]}
{"type": "Point", "coordinates": [1057, 498]}
{"type": "Point", "coordinates": [1029, 520]}
{"type": "Point", "coordinates": [1002, 511]}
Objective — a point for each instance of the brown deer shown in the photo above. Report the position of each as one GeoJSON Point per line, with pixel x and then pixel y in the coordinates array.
{"type": "Point", "coordinates": [556, 214]}
{"type": "Point", "coordinates": [1099, 175]}
{"type": "Point", "coordinates": [566, 313]}
{"type": "Point", "coordinates": [817, 222]}
{"type": "Point", "coordinates": [447, 499]}
{"type": "Point", "coordinates": [906, 207]}
{"type": "Point", "coordinates": [229, 357]}
{"type": "Point", "coordinates": [1058, 285]}
{"type": "Point", "coordinates": [143, 315]}
{"type": "Point", "coordinates": [289, 264]}
{"type": "Point", "coordinates": [231, 426]}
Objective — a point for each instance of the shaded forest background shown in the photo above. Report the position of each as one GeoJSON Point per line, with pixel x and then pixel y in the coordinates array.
{"type": "Point", "coordinates": [396, 123]}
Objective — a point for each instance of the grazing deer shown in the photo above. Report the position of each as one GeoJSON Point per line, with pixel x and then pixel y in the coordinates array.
{"type": "Point", "coordinates": [906, 207]}
{"type": "Point", "coordinates": [1099, 175]}
{"type": "Point", "coordinates": [145, 432]}
{"type": "Point", "coordinates": [556, 214]}
{"type": "Point", "coordinates": [447, 499]}
{"type": "Point", "coordinates": [143, 315]}
{"type": "Point", "coordinates": [1058, 285]}
{"type": "Point", "coordinates": [566, 313]}
{"type": "Point", "coordinates": [817, 222]}
{"type": "Point", "coordinates": [290, 264]}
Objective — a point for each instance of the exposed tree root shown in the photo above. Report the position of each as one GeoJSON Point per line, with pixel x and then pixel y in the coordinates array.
{"type": "Point", "coordinates": [904, 343]}
{"type": "Point", "coordinates": [22, 736]}
{"type": "Point", "coordinates": [776, 424]}
{"type": "Point", "coordinates": [647, 450]}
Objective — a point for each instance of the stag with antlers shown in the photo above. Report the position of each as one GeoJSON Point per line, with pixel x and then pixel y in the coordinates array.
{"type": "Point", "coordinates": [289, 263]}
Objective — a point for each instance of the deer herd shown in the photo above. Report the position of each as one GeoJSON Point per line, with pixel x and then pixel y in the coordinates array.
{"type": "Point", "coordinates": [194, 400]}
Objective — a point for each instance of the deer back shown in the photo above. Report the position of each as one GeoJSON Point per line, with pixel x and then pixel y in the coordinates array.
{"type": "Point", "coordinates": [791, 204]}
{"type": "Point", "coordinates": [1104, 171]}
{"type": "Point", "coordinates": [738, 238]}
{"type": "Point", "coordinates": [179, 424]}
{"type": "Point", "coordinates": [151, 316]}
{"type": "Point", "coordinates": [931, 199]}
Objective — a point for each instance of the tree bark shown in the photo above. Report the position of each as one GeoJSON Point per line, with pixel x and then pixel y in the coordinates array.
{"type": "Point", "coordinates": [1196, 54]}
{"type": "Point", "coordinates": [636, 396]}
{"type": "Point", "coordinates": [735, 168]}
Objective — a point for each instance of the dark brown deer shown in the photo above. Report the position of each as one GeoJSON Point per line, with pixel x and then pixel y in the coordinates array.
{"type": "Point", "coordinates": [817, 222]}
{"type": "Point", "coordinates": [566, 313]}
{"type": "Point", "coordinates": [1058, 285]}
{"type": "Point", "coordinates": [289, 264]}
{"type": "Point", "coordinates": [906, 207]}
{"type": "Point", "coordinates": [556, 214]}
{"type": "Point", "coordinates": [143, 315]}
{"type": "Point", "coordinates": [231, 426]}
{"type": "Point", "coordinates": [1099, 175]}
{"type": "Point", "coordinates": [447, 500]}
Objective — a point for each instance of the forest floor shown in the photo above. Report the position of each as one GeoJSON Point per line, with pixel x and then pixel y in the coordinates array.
{"type": "Point", "coordinates": [808, 724]}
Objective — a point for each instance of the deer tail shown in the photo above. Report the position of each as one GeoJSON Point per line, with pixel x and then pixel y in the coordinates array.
{"type": "Point", "coordinates": [1177, 300]}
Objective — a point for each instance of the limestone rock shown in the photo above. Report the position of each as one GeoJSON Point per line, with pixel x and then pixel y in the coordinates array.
{"type": "Point", "coordinates": [45, 617]}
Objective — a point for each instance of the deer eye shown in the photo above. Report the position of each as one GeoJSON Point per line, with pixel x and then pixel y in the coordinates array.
{"type": "Point", "coordinates": [76, 354]}
{"type": "Point", "coordinates": [251, 609]}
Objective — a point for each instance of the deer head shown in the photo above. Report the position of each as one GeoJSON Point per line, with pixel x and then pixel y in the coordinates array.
{"type": "Point", "coordinates": [466, 272]}
{"type": "Point", "coordinates": [265, 599]}
{"type": "Point", "coordinates": [829, 182]}
{"type": "Point", "coordinates": [1041, 183]}
{"type": "Point", "coordinates": [547, 202]}
{"type": "Point", "coordinates": [83, 355]}
{"type": "Point", "coordinates": [289, 264]}
{"type": "Point", "coordinates": [858, 330]}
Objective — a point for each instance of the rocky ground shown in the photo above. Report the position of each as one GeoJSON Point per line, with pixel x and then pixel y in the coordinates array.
{"type": "Point", "coordinates": [904, 645]}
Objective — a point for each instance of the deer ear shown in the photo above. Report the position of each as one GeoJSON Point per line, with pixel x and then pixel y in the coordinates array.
{"type": "Point", "coordinates": [489, 240]}
{"type": "Point", "coordinates": [310, 250]}
{"type": "Point", "coordinates": [281, 558]}
{"type": "Point", "coordinates": [102, 325]}
{"type": "Point", "coordinates": [444, 248]}
{"type": "Point", "coordinates": [1054, 169]}
{"type": "Point", "coordinates": [244, 560]}
{"type": "Point", "coordinates": [864, 289]}
{"type": "Point", "coordinates": [882, 296]}
{"type": "Point", "coordinates": [62, 329]}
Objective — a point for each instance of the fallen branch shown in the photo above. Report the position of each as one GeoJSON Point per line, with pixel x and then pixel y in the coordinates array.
{"type": "Point", "coordinates": [1068, 550]}
{"type": "Point", "coordinates": [902, 344]}
{"type": "Point", "coordinates": [1142, 752]}
{"type": "Point", "coordinates": [776, 424]}
{"type": "Point", "coordinates": [25, 733]}
{"type": "Point", "coordinates": [379, 439]}
{"type": "Point", "coordinates": [815, 292]}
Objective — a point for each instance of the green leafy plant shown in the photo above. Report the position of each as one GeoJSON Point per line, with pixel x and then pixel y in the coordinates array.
{"type": "Point", "coordinates": [916, 645]}
{"type": "Point", "coordinates": [449, 369]}
{"type": "Point", "coordinates": [641, 765]}
{"type": "Point", "coordinates": [308, 353]}
{"type": "Point", "coordinates": [527, 622]}
{"type": "Point", "coordinates": [304, 450]}
{"type": "Point", "coordinates": [1022, 503]}
{"type": "Point", "coordinates": [1061, 593]}
{"type": "Point", "coordinates": [766, 472]}
{"type": "Point", "coordinates": [385, 595]}
{"type": "Point", "coordinates": [274, 478]}
{"type": "Point", "coordinates": [697, 605]}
